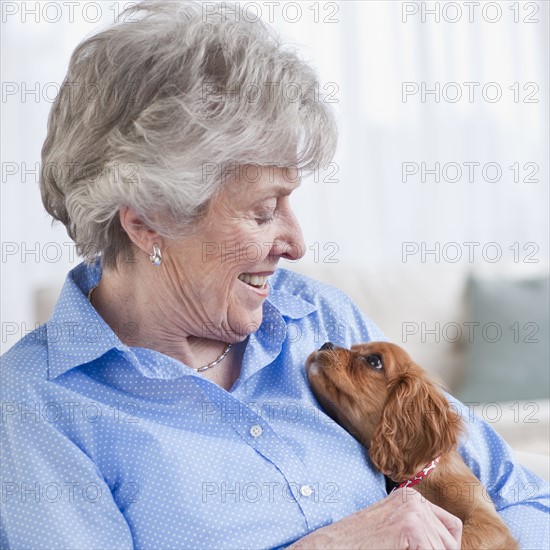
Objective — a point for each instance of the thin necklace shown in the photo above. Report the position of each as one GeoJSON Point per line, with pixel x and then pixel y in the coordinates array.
{"type": "Point", "coordinates": [216, 361]}
{"type": "Point", "coordinates": [219, 359]}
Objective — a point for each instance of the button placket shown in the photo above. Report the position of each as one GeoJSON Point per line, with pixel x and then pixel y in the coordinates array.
{"type": "Point", "coordinates": [270, 445]}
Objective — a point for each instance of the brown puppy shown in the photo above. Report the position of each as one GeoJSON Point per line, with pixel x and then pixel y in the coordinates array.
{"type": "Point", "coordinates": [389, 404]}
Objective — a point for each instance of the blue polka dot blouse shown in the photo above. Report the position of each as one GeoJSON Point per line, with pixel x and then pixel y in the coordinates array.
{"type": "Point", "coordinates": [110, 446]}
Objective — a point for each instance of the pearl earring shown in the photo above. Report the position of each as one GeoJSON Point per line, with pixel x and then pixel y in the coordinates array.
{"type": "Point", "coordinates": [156, 256]}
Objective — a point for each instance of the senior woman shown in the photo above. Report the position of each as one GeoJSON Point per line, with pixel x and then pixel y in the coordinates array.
{"type": "Point", "coordinates": [164, 404]}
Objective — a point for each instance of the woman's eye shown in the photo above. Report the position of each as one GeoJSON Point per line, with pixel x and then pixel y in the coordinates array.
{"type": "Point", "coordinates": [261, 220]}
{"type": "Point", "coordinates": [375, 361]}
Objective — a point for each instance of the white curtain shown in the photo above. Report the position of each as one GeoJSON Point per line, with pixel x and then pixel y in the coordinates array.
{"type": "Point", "coordinates": [374, 49]}
{"type": "Point", "coordinates": [364, 51]}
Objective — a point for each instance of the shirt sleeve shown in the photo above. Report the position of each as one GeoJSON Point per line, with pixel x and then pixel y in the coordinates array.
{"type": "Point", "coordinates": [521, 497]}
{"type": "Point", "coordinates": [52, 493]}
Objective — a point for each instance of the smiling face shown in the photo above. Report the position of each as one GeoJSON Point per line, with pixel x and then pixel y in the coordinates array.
{"type": "Point", "coordinates": [220, 273]}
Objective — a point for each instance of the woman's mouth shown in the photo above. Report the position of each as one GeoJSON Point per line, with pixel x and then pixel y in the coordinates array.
{"type": "Point", "coordinates": [256, 281]}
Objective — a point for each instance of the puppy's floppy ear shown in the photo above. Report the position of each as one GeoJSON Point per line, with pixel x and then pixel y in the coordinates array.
{"type": "Point", "coordinates": [416, 425]}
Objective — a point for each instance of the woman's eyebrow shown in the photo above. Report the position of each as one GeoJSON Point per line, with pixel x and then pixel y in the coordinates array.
{"type": "Point", "coordinates": [271, 194]}
{"type": "Point", "coordinates": [279, 191]}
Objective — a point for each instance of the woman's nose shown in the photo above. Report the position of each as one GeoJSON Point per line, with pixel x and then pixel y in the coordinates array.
{"type": "Point", "coordinates": [294, 245]}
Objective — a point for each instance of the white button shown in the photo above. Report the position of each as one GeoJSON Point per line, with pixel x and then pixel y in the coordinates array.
{"type": "Point", "coordinates": [256, 430]}
{"type": "Point", "coordinates": [306, 491]}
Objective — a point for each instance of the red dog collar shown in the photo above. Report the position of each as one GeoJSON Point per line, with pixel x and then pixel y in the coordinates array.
{"type": "Point", "coordinates": [420, 476]}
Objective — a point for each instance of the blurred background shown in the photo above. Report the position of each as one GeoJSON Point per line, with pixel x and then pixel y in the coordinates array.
{"type": "Point", "coordinates": [434, 215]}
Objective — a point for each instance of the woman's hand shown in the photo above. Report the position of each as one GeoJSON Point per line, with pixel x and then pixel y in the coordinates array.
{"type": "Point", "coordinates": [403, 520]}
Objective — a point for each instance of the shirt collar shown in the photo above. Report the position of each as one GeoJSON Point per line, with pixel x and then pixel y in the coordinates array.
{"type": "Point", "coordinates": [76, 334]}
{"type": "Point", "coordinates": [289, 305]}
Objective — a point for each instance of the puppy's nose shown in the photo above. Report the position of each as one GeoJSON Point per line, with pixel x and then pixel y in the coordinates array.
{"type": "Point", "coordinates": [327, 346]}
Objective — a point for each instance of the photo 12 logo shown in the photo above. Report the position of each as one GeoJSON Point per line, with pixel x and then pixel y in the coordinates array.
{"type": "Point", "coordinates": [470, 12]}
{"type": "Point", "coordinates": [289, 12]}
{"type": "Point", "coordinates": [455, 92]}
{"type": "Point", "coordinates": [468, 172]}
{"type": "Point", "coordinates": [469, 251]}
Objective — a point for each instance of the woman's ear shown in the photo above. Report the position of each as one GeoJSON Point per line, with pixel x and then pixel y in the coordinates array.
{"type": "Point", "coordinates": [139, 233]}
{"type": "Point", "coordinates": [417, 425]}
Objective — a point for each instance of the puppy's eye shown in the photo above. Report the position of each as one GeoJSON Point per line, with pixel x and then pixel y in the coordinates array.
{"type": "Point", "coordinates": [375, 361]}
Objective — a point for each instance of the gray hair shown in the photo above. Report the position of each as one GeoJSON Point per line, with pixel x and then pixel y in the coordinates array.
{"type": "Point", "coordinates": [156, 111]}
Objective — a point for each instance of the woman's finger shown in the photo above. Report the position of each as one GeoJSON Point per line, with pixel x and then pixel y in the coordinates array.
{"type": "Point", "coordinates": [449, 527]}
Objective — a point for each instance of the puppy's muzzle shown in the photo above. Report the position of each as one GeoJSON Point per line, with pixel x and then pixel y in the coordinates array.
{"type": "Point", "coordinates": [327, 346]}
